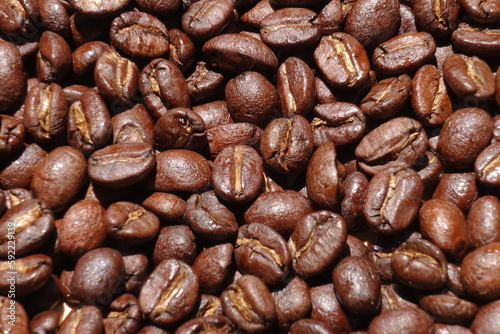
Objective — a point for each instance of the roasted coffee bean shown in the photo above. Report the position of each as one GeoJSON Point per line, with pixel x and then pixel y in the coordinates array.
{"type": "Point", "coordinates": [451, 329]}
{"type": "Point", "coordinates": [168, 207]}
{"type": "Point", "coordinates": [224, 135]}
{"type": "Point", "coordinates": [207, 18]}
{"type": "Point", "coordinates": [11, 72]}
{"type": "Point", "coordinates": [386, 98]}
{"type": "Point", "coordinates": [439, 20]}
{"type": "Point", "coordinates": [133, 126]}
{"type": "Point", "coordinates": [480, 272]}
{"type": "Point", "coordinates": [262, 252]}
{"type": "Point", "coordinates": [290, 29]}
{"type": "Point", "coordinates": [18, 18]}
{"type": "Point", "coordinates": [204, 84]}
{"type": "Point", "coordinates": [251, 98]}
{"type": "Point", "coordinates": [89, 123]}
{"type": "Point", "coordinates": [373, 22]}
{"type": "Point", "coordinates": [45, 322]}
{"type": "Point", "coordinates": [419, 264]}
{"type": "Point", "coordinates": [139, 34]}
{"type": "Point", "coordinates": [256, 14]}
{"type": "Point", "coordinates": [443, 224]}
{"type": "Point", "coordinates": [496, 118]}
{"type": "Point", "coordinates": [280, 210]}
{"type": "Point", "coordinates": [169, 293]}
{"type": "Point", "coordinates": [163, 87]}
{"type": "Point", "coordinates": [121, 165]}
{"type": "Point", "coordinates": [239, 53]}
{"type": "Point", "coordinates": [323, 178]}
{"type": "Point", "coordinates": [429, 97]}
{"type": "Point", "coordinates": [481, 12]}
{"type": "Point", "coordinates": [213, 113]}
{"type": "Point", "coordinates": [293, 302]}
{"type": "Point", "coordinates": [487, 165]}
{"type": "Point", "coordinates": [209, 306]}
{"type": "Point", "coordinates": [12, 134]}
{"type": "Point", "coordinates": [477, 42]}
{"type": "Point", "coordinates": [81, 229]}
{"type": "Point", "coordinates": [399, 320]}
{"type": "Point", "coordinates": [463, 136]}
{"type": "Point", "coordinates": [326, 308]}
{"type": "Point", "coordinates": [136, 271]}
{"type": "Point", "coordinates": [152, 330]}
{"type": "Point", "coordinates": [449, 309]}
{"type": "Point", "coordinates": [330, 18]}
{"type": "Point", "coordinates": [310, 326]}
{"type": "Point", "coordinates": [180, 170]}
{"type": "Point", "coordinates": [342, 60]}
{"type": "Point", "coordinates": [429, 169]}
{"type": "Point", "coordinates": [457, 188]}
{"type": "Point", "coordinates": [407, 20]}
{"type": "Point", "coordinates": [160, 8]}
{"type": "Point", "coordinates": [182, 50]}
{"type": "Point", "coordinates": [404, 53]}
{"type": "Point", "coordinates": [116, 89]}
{"type": "Point", "coordinates": [339, 122]}
{"type": "Point", "coordinates": [469, 77]}
{"type": "Point", "coordinates": [316, 242]}
{"type": "Point", "coordinates": [32, 272]}
{"type": "Point", "coordinates": [124, 315]}
{"type": "Point", "coordinates": [20, 171]}
{"type": "Point", "coordinates": [99, 275]}
{"type": "Point", "coordinates": [45, 112]}
{"type": "Point", "coordinates": [486, 320]}
{"type": "Point", "coordinates": [73, 93]}
{"type": "Point", "coordinates": [130, 223]}
{"type": "Point", "coordinates": [398, 142]}
{"type": "Point", "coordinates": [287, 145]}
{"type": "Point", "coordinates": [177, 242]}
{"type": "Point", "coordinates": [294, 3]}
{"type": "Point", "coordinates": [25, 227]}
{"type": "Point", "coordinates": [209, 218]}
{"type": "Point", "coordinates": [53, 60]}
{"type": "Point", "coordinates": [216, 324]}
{"type": "Point", "coordinates": [85, 56]}
{"type": "Point", "coordinates": [86, 319]}
{"type": "Point", "coordinates": [212, 266]}
{"type": "Point", "coordinates": [392, 200]}
{"type": "Point", "coordinates": [180, 128]}
{"type": "Point", "coordinates": [483, 221]}
{"type": "Point", "coordinates": [99, 9]}
{"type": "Point", "coordinates": [351, 206]}
{"type": "Point", "coordinates": [249, 304]}
{"type": "Point", "coordinates": [238, 173]}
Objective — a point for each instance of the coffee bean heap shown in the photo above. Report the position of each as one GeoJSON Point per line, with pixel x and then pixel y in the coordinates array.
{"type": "Point", "coordinates": [245, 166]}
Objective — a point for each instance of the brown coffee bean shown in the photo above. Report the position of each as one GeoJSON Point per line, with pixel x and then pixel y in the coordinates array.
{"type": "Point", "coordinates": [182, 50]}
{"type": "Point", "coordinates": [238, 173]}
{"type": "Point", "coordinates": [85, 319]}
{"type": "Point", "coordinates": [280, 210]}
{"type": "Point", "coordinates": [487, 165]}
{"type": "Point", "coordinates": [404, 53]}
{"type": "Point", "coordinates": [294, 3]}
{"type": "Point", "coordinates": [32, 272]}
{"type": "Point", "coordinates": [53, 60]}
{"type": "Point", "coordinates": [85, 56]}
{"type": "Point", "coordinates": [398, 320]}
{"type": "Point", "coordinates": [160, 8]}
{"type": "Point", "coordinates": [213, 113]}
{"type": "Point", "coordinates": [217, 324]}
{"type": "Point", "coordinates": [169, 293]}
{"type": "Point", "coordinates": [339, 122]}
{"type": "Point", "coordinates": [444, 225]}
{"type": "Point", "coordinates": [209, 218]}
{"type": "Point", "coordinates": [207, 18]}
{"type": "Point", "coordinates": [180, 128]}
{"type": "Point", "coordinates": [439, 20]}
{"type": "Point", "coordinates": [121, 165]}
{"type": "Point", "coordinates": [168, 207]}
{"type": "Point", "coordinates": [463, 136]}
{"type": "Point", "coordinates": [316, 242]}
{"type": "Point", "coordinates": [19, 172]}
{"type": "Point", "coordinates": [239, 53]}
{"type": "Point", "coordinates": [475, 41]}
{"type": "Point", "coordinates": [225, 135]}
{"type": "Point", "coordinates": [99, 9]}
{"type": "Point", "coordinates": [457, 188]}
{"type": "Point", "coordinates": [429, 97]}
{"type": "Point", "coordinates": [45, 112]}
{"type": "Point", "coordinates": [290, 29]}
{"type": "Point", "coordinates": [11, 72]}
{"type": "Point", "coordinates": [203, 83]}
{"type": "Point", "coordinates": [81, 229]}
{"type": "Point", "coordinates": [89, 123]}
{"type": "Point", "coordinates": [73, 93]}
{"type": "Point", "coordinates": [99, 275]}
{"type": "Point", "coordinates": [293, 302]}
{"type": "Point", "coordinates": [212, 266]}
{"type": "Point", "coordinates": [486, 320]}
{"type": "Point", "coordinates": [386, 98]}
{"type": "Point", "coordinates": [400, 141]}
{"type": "Point", "coordinates": [351, 206]}
{"type": "Point", "coordinates": [12, 132]}
{"type": "Point", "coordinates": [133, 126]}
{"type": "Point", "coordinates": [177, 242]}
{"type": "Point", "coordinates": [163, 87]}
{"type": "Point", "coordinates": [64, 183]}
{"type": "Point", "coordinates": [45, 322]}
{"type": "Point", "coordinates": [19, 17]}
{"type": "Point", "coordinates": [469, 77]}
{"type": "Point", "coordinates": [480, 272]}
{"type": "Point", "coordinates": [373, 22]}
{"type": "Point", "coordinates": [152, 330]}
{"type": "Point", "coordinates": [342, 60]}
{"type": "Point", "coordinates": [124, 315]}
{"type": "Point", "coordinates": [249, 304]}
{"type": "Point", "coordinates": [358, 272]}
{"type": "Point", "coordinates": [180, 170]}
{"type": "Point", "coordinates": [287, 145]}
{"type": "Point", "coordinates": [262, 252]}
{"type": "Point", "coordinates": [448, 308]}
{"type": "Point", "coordinates": [326, 308]}
{"type": "Point", "coordinates": [483, 221]}
{"type": "Point", "coordinates": [136, 271]}
{"type": "Point", "coordinates": [481, 12]}
{"type": "Point", "coordinates": [139, 34]}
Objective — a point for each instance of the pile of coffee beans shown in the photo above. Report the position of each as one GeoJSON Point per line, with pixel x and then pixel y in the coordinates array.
{"type": "Point", "coordinates": [246, 166]}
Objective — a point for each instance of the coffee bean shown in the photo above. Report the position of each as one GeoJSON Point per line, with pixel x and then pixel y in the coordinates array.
{"type": "Point", "coordinates": [396, 296]}
{"type": "Point", "coordinates": [133, 126]}
{"type": "Point", "coordinates": [480, 272]}
{"type": "Point", "coordinates": [98, 9]}
{"type": "Point", "coordinates": [213, 266]}
{"type": "Point", "coordinates": [487, 164]}
{"type": "Point", "coordinates": [161, 8]}
{"type": "Point", "coordinates": [124, 315]}
{"type": "Point", "coordinates": [213, 113]}
{"type": "Point", "coordinates": [486, 319]}
{"type": "Point", "coordinates": [210, 306]}
{"type": "Point", "coordinates": [481, 12]}
{"type": "Point", "coordinates": [310, 326]}
{"type": "Point", "coordinates": [182, 50]}
{"type": "Point", "coordinates": [443, 308]}
{"type": "Point", "coordinates": [217, 324]}
{"type": "Point", "coordinates": [168, 207]}
{"type": "Point", "coordinates": [177, 242]}
{"type": "Point", "coordinates": [87, 319]}
{"type": "Point", "coordinates": [11, 72]}
{"type": "Point", "coordinates": [12, 132]}
{"type": "Point", "coordinates": [204, 84]}
{"type": "Point", "coordinates": [478, 42]}
{"type": "Point", "coordinates": [293, 302]}
{"type": "Point", "coordinates": [457, 188]}
{"type": "Point", "coordinates": [483, 221]}
{"type": "Point", "coordinates": [136, 271]}
{"type": "Point", "coordinates": [53, 60]}
{"type": "Point", "coordinates": [85, 56]}
{"type": "Point", "coordinates": [440, 20]}
{"type": "Point", "coordinates": [351, 206]}
{"type": "Point", "coordinates": [45, 322]}
{"type": "Point", "coordinates": [396, 321]}
{"type": "Point", "coordinates": [225, 135]}
{"type": "Point", "coordinates": [32, 272]}
{"type": "Point", "coordinates": [326, 308]}
{"type": "Point", "coordinates": [207, 18]}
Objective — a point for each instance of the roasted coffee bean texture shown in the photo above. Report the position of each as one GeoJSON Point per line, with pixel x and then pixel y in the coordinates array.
{"type": "Point", "coordinates": [250, 166]}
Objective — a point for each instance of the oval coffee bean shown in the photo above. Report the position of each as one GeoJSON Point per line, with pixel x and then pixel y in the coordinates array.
{"type": "Point", "coordinates": [133, 126]}
{"type": "Point", "coordinates": [486, 320]}
{"type": "Point", "coordinates": [483, 221]}
{"type": "Point", "coordinates": [175, 241]}
{"type": "Point", "coordinates": [12, 135]}
{"type": "Point", "coordinates": [207, 18]}
{"type": "Point", "coordinates": [213, 266]}
{"type": "Point", "coordinates": [398, 320]}
{"type": "Point", "coordinates": [216, 324]}
{"type": "Point", "coordinates": [326, 308]}
{"type": "Point", "coordinates": [11, 72]}
{"type": "Point", "coordinates": [478, 42]}
{"type": "Point", "coordinates": [293, 302]}
{"type": "Point", "coordinates": [487, 165]}
{"type": "Point", "coordinates": [85, 319]}
{"type": "Point", "coordinates": [439, 20]}
{"type": "Point", "coordinates": [457, 188]}
{"type": "Point", "coordinates": [32, 272]}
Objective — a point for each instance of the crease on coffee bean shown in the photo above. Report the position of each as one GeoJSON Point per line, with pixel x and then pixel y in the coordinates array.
{"type": "Point", "coordinates": [256, 245]}
{"type": "Point", "coordinates": [172, 290]}
{"type": "Point", "coordinates": [475, 74]}
{"type": "Point", "coordinates": [341, 51]}
{"type": "Point", "coordinates": [45, 108]}
{"type": "Point", "coordinates": [242, 305]}
{"type": "Point", "coordinates": [82, 123]}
